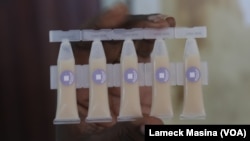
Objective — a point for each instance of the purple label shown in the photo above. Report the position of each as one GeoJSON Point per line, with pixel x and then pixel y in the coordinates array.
{"type": "Point", "coordinates": [130, 75]}
{"type": "Point", "coordinates": [99, 76]}
{"type": "Point", "coordinates": [193, 74]}
{"type": "Point", "coordinates": [67, 78]}
{"type": "Point", "coordinates": [162, 75]}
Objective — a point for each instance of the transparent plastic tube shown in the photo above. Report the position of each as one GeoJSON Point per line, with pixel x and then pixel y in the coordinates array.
{"type": "Point", "coordinates": [130, 107]}
{"type": "Point", "coordinates": [98, 93]}
{"type": "Point", "coordinates": [66, 112]}
{"type": "Point", "coordinates": [161, 96]}
{"type": "Point", "coordinates": [193, 106]}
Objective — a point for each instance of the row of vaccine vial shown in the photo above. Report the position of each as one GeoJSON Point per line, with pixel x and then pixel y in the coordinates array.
{"type": "Point", "coordinates": [130, 108]}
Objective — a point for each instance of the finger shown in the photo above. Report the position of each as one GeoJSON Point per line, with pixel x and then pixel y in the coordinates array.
{"type": "Point", "coordinates": [146, 100]}
{"type": "Point", "coordinates": [83, 97]}
{"type": "Point", "coordinates": [171, 21]}
{"type": "Point", "coordinates": [150, 121]}
{"type": "Point", "coordinates": [114, 100]}
{"type": "Point", "coordinates": [116, 47]}
{"type": "Point", "coordinates": [143, 49]}
{"type": "Point", "coordinates": [162, 18]}
{"type": "Point", "coordinates": [83, 127]}
{"type": "Point", "coordinates": [111, 18]}
{"type": "Point", "coordinates": [150, 21]}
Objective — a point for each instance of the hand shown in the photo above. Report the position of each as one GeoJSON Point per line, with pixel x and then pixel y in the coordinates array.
{"type": "Point", "coordinates": [117, 17]}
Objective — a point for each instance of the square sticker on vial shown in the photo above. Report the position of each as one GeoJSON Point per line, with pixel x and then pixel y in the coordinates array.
{"type": "Point", "coordinates": [162, 75]}
{"type": "Point", "coordinates": [67, 77]}
{"type": "Point", "coordinates": [99, 76]}
{"type": "Point", "coordinates": [130, 75]}
{"type": "Point", "coordinates": [193, 74]}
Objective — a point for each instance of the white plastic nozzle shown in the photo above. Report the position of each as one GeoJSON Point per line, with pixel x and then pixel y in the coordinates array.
{"type": "Point", "coordinates": [97, 50]}
{"type": "Point", "coordinates": [128, 48]}
{"type": "Point", "coordinates": [191, 47]}
{"type": "Point", "coordinates": [65, 51]}
{"type": "Point", "coordinates": [160, 48]}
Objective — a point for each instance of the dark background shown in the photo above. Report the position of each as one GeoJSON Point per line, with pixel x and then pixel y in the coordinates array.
{"type": "Point", "coordinates": [27, 103]}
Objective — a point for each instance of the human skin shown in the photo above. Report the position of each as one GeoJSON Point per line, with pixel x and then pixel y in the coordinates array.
{"type": "Point", "coordinates": [116, 17]}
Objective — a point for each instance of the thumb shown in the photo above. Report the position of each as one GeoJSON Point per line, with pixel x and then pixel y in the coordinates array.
{"type": "Point", "coordinates": [150, 121]}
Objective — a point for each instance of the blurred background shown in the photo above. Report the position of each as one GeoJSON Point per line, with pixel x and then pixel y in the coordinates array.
{"type": "Point", "coordinates": [27, 103]}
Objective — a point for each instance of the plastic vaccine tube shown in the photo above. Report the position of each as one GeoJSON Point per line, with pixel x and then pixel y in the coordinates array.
{"type": "Point", "coordinates": [130, 108]}
{"type": "Point", "coordinates": [161, 97]}
{"type": "Point", "coordinates": [98, 93]}
{"type": "Point", "coordinates": [193, 106]}
{"type": "Point", "coordinates": [66, 112]}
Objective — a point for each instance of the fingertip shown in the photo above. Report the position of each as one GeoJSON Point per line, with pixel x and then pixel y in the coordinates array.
{"type": "Point", "coordinates": [152, 21]}
{"type": "Point", "coordinates": [171, 21]}
{"type": "Point", "coordinates": [150, 121]}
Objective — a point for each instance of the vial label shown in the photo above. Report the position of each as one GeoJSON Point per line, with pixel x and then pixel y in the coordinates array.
{"type": "Point", "coordinates": [99, 76]}
{"type": "Point", "coordinates": [67, 78]}
{"type": "Point", "coordinates": [130, 75]}
{"type": "Point", "coordinates": [162, 75]}
{"type": "Point", "coordinates": [193, 74]}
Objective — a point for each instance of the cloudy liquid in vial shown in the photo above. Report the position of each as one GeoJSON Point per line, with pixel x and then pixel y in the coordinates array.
{"type": "Point", "coordinates": [66, 112]}
{"type": "Point", "coordinates": [98, 94]}
{"type": "Point", "coordinates": [130, 107]}
{"type": "Point", "coordinates": [161, 97]}
{"type": "Point", "coordinates": [193, 106]}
